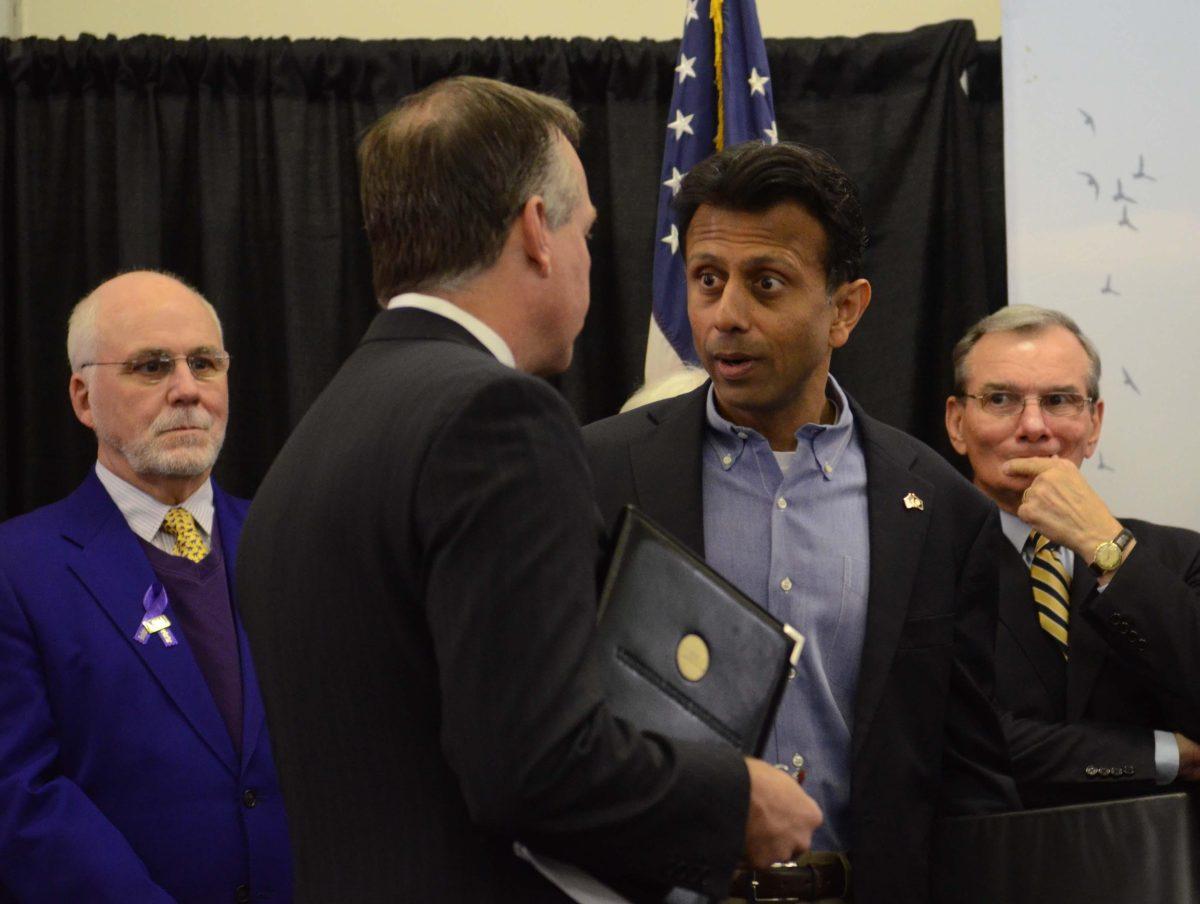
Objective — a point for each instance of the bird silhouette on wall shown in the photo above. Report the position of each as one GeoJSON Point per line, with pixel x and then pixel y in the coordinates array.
{"type": "Point", "coordinates": [1121, 196]}
{"type": "Point", "coordinates": [1124, 221]}
{"type": "Point", "coordinates": [1087, 119]}
{"type": "Point", "coordinates": [1141, 171]}
{"type": "Point", "coordinates": [1128, 381]}
{"type": "Point", "coordinates": [1102, 466]}
{"type": "Point", "coordinates": [1091, 181]}
{"type": "Point", "coordinates": [1108, 289]}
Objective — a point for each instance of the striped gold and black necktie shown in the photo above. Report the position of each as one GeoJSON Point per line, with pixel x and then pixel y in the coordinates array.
{"type": "Point", "coordinates": [1051, 593]}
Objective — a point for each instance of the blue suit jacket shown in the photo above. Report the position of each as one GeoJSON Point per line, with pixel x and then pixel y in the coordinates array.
{"type": "Point", "coordinates": [118, 779]}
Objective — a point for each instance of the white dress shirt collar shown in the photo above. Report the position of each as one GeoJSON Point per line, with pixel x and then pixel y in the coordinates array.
{"type": "Point", "coordinates": [144, 514]}
{"type": "Point", "coordinates": [487, 336]}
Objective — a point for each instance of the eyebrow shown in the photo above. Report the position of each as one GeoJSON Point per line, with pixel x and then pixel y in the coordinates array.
{"type": "Point", "coordinates": [1013, 387]}
{"type": "Point", "coordinates": [160, 352]}
{"type": "Point", "coordinates": [761, 262]}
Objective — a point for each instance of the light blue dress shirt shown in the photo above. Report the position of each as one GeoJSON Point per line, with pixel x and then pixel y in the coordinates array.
{"type": "Point", "coordinates": [796, 541]}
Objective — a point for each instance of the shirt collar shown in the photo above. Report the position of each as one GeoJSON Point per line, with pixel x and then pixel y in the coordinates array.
{"type": "Point", "coordinates": [144, 514]}
{"type": "Point", "coordinates": [1016, 530]}
{"type": "Point", "coordinates": [828, 441]}
{"type": "Point", "coordinates": [487, 336]}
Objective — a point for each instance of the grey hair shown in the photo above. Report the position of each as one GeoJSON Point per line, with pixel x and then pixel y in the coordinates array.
{"type": "Point", "coordinates": [82, 325]}
{"type": "Point", "coordinates": [1024, 318]}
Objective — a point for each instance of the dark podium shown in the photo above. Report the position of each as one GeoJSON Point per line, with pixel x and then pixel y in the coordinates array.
{"type": "Point", "coordinates": [1135, 851]}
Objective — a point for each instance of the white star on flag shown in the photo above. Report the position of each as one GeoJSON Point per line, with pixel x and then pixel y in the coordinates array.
{"type": "Point", "coordinates": [686, 67]}
{"type": "Point", "coordinates": [682, 124]}
{"type": "Point", "coordinates": [773, 133]}
{"type": "Point", "coordinates": [691, 12]}
{"type": "Point", "coordinates": [675, 181]}
{"type": "Point", "coordinates": [758, 82]}
{"type": "Point", "coordinates": [672, 239]}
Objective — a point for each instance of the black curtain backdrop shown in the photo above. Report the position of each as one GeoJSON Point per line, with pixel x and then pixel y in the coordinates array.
{"type": "Point", "coordinates": [232, 163]}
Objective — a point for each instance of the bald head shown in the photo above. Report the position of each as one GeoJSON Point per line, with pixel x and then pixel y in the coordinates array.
{"type": "Point", "coordinates": [99, 315]}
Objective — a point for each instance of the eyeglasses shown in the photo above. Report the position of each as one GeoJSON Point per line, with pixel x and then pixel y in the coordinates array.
{"type": "Point", "coordinates": [1001, 403]}
{"type": "Point", "coordinates": [156, 367]}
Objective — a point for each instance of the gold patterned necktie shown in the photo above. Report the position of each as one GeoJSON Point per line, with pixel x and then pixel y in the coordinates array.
{"type": "Point", "coordinates": [1051, 594]}
{"type": "Point", "coordinates": [180, 524]}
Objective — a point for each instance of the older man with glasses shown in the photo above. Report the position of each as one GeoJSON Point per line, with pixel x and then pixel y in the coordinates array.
{"type": "Point", "coordinates": [1098, 645]}
{"type": "Point", "coordinates": [134, 760]}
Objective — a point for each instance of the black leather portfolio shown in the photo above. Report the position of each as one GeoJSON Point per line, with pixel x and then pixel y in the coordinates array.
{"type": "Point", "coordinates": [685, 653]}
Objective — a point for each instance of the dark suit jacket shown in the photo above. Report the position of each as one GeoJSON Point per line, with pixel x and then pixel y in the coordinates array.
{"type": "Point", "coordinates": [418, 580]}
{"type": "Point", "coordinates": [118, 778]}
{"type": "Point", "coordinates": [926, 739]}
{"type": "Point", "coordinates": [1081, 730]}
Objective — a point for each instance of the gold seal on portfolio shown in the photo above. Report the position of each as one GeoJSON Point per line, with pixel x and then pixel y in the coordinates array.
{"type": "Point", "coordinates": [691, 656]}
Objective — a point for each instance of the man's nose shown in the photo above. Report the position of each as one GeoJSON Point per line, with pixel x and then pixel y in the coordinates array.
{"type": "Point", "coordinates": [1031, 423]}
{"type": "Point", "coordinates": [182, 385]}
{"type": "Point", "coordinates": [732, 309]}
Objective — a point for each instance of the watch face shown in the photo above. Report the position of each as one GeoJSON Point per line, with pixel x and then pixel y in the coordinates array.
{"type": "Point", "coordinates": [1108, 556]}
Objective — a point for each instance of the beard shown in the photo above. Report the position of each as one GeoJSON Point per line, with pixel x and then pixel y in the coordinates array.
{"type": "Point", "coordinates": [161, 453]}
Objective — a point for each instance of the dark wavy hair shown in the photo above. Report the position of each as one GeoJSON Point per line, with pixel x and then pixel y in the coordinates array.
{"type": "Point", "coordinates": [754, 177]}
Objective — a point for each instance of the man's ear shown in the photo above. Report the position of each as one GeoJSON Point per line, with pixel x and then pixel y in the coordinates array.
{"type": "Point", "coordinates": [535, 234]}
{"type": "Point", "coordinates": [1097, 418]}
{"type": "Point", "coordinates": [850, 303]}
{"type": "Point", "coordinates": [81, 400]}
{"type": "Point", "coordinates": [954, 416]}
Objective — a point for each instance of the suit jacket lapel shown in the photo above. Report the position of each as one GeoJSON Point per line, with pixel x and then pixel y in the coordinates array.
{"type": "Point", "coordinates": [667, 468]}
{"type": "Point", "coordinates": [113, 567]}
{"type": "Point", "coordinates": [897, 540]}
{"type": "Point", "coordinates": [1018, 615]}
{"type": "Point", "coordinates": [1085, 645]}
{"type": "Point", "coordinates": [229, 526]}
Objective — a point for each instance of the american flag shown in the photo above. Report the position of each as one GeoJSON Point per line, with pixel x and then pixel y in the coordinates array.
{"type": "Point", "coordinates": [708, 112]}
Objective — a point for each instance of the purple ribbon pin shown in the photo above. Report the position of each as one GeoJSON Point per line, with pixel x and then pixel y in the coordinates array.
{"type": "Point", "coordinates": [155, 622]}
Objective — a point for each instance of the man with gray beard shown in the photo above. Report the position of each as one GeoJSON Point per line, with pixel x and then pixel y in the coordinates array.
{"type": "Point", "coordinates": [134, 759]}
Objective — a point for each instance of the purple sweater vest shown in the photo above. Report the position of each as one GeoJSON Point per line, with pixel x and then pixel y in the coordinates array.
{"type": "Point", "coordinates": [200, 608]}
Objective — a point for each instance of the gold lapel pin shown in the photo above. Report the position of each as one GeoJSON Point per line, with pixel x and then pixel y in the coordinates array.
{"type": "Point", "coordinates": [913, 501]}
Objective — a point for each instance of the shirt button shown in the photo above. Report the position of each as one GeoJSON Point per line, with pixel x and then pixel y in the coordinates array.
{"type": "Point", "coordinates": [727, 460]}
{"type": "Point", "coordinates": [828, 469]}
{"type": "Point", "coordinates": [797, 760]}
{"type": "Point", "coordinates": [741, 434]}
{"type": "Point", "coordinates": [780, 503]}
{"type": "Point", "coordinates": [786, 584]}
{"type": "Point", "coordinates": [249, 798]}
{"type": "Point", "coordinates": [791, 672]}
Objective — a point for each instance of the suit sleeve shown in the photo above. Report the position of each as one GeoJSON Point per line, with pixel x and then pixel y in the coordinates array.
{"type": "Point", "coordinates": [1055, 757]}
{"type": "Point", "coordinates": [1150, 616]}
{"type": "Point", "coordinates": [976, 767]}
{"type": "Point", "coordinates": [510, 541]}
{"type": "Point", "coordinates": [55, 844]}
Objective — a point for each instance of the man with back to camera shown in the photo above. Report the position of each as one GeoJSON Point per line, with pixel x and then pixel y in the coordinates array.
{"type": "Point", "coordinates": [855, 533]}
{"type": "Point", "coordinates": [1097, 653]}
{"type": "Point", "coordinates": [134, 759]}
{"type": "Point", "coordinates": [419, 565]}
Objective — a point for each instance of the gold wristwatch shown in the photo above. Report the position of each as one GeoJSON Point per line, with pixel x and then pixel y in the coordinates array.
{"type": "Point", "coordinates": [1110, 553]}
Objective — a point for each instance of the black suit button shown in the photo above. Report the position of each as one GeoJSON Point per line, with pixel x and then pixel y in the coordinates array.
{"type": "Point", "coordinates": [242, 894]}
{"type": "Point", "coordinates": [249, 798]}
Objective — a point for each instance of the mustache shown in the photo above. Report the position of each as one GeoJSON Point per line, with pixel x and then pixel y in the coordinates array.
{"type": "Point", "coordinates": [730, 349]}
{"type": "Point", "coordinates": [178, 418]}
